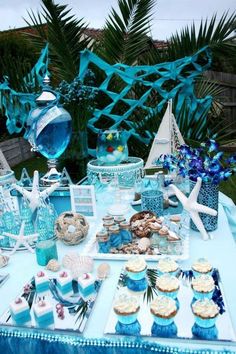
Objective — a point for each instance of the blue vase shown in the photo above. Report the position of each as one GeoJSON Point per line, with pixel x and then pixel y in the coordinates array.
{"type": "Point", "coordinates": [208, 195]}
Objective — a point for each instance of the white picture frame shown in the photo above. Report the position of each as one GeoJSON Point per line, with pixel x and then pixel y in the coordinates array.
{"type": "Point", "coordinates": [83, 200]}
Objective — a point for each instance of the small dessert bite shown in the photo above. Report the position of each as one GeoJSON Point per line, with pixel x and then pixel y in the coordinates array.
{"type": "Point", "coordinates": [86, 286]}
{"type": "Point", "coordinates": [205, 312]}
{"type": "Point", "coordinates": [167, 265]}
{"type": "Point", "coordinates": [164, 310]}
{"type": "Point", "coordinates": [202, 267]}
{"type": "Point", "coordinates": [41, 282]}
{"type": "Point", "coordinates": [167, 285]}
{"type": "Point", "coordinates": [136, 269]}
{"type": "Point", "coordinates": [64, 284]}
{"type": "Point", "coordinates": [20, 310]}
{"type": "Point", "coordinates": [126, 308]}
{"type": "Point", "coordinates": [203, 287]}
{"type": "Point", "coordinates": [43, 313]}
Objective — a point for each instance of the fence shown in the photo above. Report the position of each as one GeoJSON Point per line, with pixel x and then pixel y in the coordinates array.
{"type": "Point", "coordinates": [228, 83]}
{"type": "Point", "coordinates": [16, 150]}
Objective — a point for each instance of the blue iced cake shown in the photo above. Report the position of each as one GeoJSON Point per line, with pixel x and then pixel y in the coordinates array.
{"type": "Point", "coordinates": [64, 284]}
{"type": "Point", "coordinates": [202, 267]}
{"type": "Point", "coordinates": [43, 313]}
{"type": "Point", "coordinates": [41, 283]}
{"type": "Point", "coordinates": [86, 286]}
{"type": "Point", "coordinates": [203, 287]}
{"type": "Point", "coordinates": [20, 310]}
{"type": "Point", "coordinates": [205, 312]}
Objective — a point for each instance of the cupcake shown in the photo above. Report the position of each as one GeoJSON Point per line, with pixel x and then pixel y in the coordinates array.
{"type": "Point", "coordinates": [126, 308]}
{"type": "Point", "coordinates": [205, 312]}
{"type": "Point", "coordinates": [201, 267]}
{"type": "Point", "coordinates": [167, 285]}
{"type": "Point", "coordinates": [167, 265]}
{"type": "Point", "coordinates": [164, 310]}
{"type": "Point", "coordinates": [203, 287]}
{"type": "Point", "coordinates": [136, 269]}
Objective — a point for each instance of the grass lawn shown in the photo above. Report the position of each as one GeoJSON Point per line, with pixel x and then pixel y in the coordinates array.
{"type": "Point", "coordinates": [39, 163]}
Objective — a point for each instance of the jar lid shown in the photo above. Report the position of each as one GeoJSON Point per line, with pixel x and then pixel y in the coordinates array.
{"type": "Point", "coordinates": [108, 218]}
{"type": "Point", "coordinates": [125, 225]}
{"type": "Point", "coordinates": [108, 222]}
{"type": "Point", "coordinates": [114, 228]}
{"type": "Point", "coordinates": [102, 233]}
{"type": "Point", "coordinates": [119, 219]}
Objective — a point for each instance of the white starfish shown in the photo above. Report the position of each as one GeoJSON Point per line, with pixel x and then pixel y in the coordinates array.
{"type": "Point", "coordinates": [35, 195]}
{"type": "Point", "coordinates": [22, 239]}
{"type": "Point", "coordinates": [191, 205]}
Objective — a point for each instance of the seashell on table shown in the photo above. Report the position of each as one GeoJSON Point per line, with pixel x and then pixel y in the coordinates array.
{"type": "Point", "coordinates": [3, 260]}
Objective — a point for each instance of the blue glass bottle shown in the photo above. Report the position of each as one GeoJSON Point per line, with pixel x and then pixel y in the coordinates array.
{"type": "Point", "coordinates": [26, 215]}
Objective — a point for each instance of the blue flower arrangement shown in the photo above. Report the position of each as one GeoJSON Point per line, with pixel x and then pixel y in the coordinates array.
{"type": "Point", "coordinates": [205, 161]}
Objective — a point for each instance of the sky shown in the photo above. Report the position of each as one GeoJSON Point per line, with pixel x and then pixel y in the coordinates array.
{"type": "Point", "coordinates": [169, 15]}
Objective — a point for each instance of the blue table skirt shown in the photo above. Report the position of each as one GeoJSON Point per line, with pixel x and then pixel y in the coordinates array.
{"type": "Point", "coordinates": [33, 342]}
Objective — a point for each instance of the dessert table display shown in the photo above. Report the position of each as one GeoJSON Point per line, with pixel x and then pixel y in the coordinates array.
{"type": "Point", "coordinates": [220, 251]}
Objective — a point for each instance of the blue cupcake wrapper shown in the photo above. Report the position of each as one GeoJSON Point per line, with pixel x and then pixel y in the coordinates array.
{"type": "Point", "coordinates": [132, 329]}
{"type": "Point", "coordinates": [171, 294]}
{"type": "Point", "coordinates": [163, 321]}
{"type": "Point", "coordinates": [205, 323]}
{"type": "Point", "coordinates": [164, 331]}
{"type": "Point", "coordinates": [137, 285]}
{"type": "Point", "coordinates": [127, 319]}
{"type": "Point", "coordinates": [200, 296]}
{"type": "Point", "coordinates": [138, 275]}
{"type": "Point", "coordinates": [205, 333]}
{"type": "Point", "coordinates": [198, 274]}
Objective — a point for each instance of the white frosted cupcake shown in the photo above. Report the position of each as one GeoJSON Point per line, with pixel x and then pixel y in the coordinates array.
{"type": "Point", "coordinates": [202, 267]}
{"type": "Point", "coordinates": [136, 268]}
{"type": "Point", "coordinates": [205, 312]}
{"type": "Point", "coordinates": [164, 310]}
{"type": "Point", "coordinates": [126, 308]}
{"type": "Point", "coordinates": [203, 287]}
{"type": "Point", "coordinates": [167, 285]}
{"type": "Point", "coordinates": [167, 265]}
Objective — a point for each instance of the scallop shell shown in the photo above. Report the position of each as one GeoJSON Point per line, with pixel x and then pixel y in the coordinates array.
{"type": "Point", "coordinates": [103, 271]}
{"type": "Point", "coordinates": [3, 260]}
{"type": "Point", "coordinates": [144, 243]}
{"type": "Point", "coordinates": [53, 265]}
{"type": "Point", "coordinates": [78, 265]}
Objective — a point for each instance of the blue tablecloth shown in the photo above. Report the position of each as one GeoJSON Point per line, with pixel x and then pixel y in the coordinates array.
{"type": "Point", "coordinates": [220, 251]}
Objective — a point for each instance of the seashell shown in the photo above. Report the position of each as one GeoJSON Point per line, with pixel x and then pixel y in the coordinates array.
{"type": "Point", "coordinates": [53, 265]}
{"type": "Point", "coordinates": [103, 271]}
{"type": "Point", "coordinates": [3, 260]}
{"type": "Point", "coordinates": [144, 243]}
{"type": "Point", "coordinates": [78, 265]}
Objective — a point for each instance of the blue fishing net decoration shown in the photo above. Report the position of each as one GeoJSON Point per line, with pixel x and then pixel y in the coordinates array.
{"type": "Point", "coordinates": [17, 105]}
{"type": "Point", "coordinates": [166, 80]}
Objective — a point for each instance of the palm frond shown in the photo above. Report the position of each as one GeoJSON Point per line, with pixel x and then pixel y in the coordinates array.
{"type": "Point", "coordinates": [126, 33]}
{"type": "Point", "coordinates": [65, 35]}
{"type": "Point", "coordinates": [216, 35]}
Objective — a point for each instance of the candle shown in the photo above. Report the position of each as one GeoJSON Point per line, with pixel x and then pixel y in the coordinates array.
{"type": "Point", "coordinates": [46, 250]}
